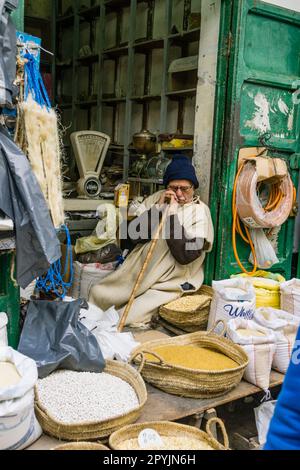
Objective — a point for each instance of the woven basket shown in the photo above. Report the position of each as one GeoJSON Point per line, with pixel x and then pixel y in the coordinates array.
{"type": "Point", "coordinates": [193, 320]}
{"type": "Point", "coordinates": [117, 440]}
{"type": "Point", "coordinates": [96, 430]}
{"type": "Point", "coordinates": [192, 383]}
{"type": "Point", "coordinates": [81, 446]}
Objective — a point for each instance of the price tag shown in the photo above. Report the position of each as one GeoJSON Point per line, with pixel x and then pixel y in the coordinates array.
{"type": "Point", "coordinates": [148, 438]}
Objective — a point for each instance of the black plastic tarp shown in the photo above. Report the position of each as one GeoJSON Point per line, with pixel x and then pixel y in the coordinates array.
{"type": "Point", "coordinates": [22, 200]}
{"type": "Point", "coordinates": [55, 338]}
{"type": "Point", "coordinates": [7, 52]}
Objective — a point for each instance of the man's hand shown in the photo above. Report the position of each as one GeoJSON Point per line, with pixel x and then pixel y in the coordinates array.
{"type": "Point", "coordinates": [169, 197]}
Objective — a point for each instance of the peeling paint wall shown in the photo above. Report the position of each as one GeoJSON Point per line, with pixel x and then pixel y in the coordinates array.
{"type": "Point", "coordinates": [290, 4]}
{"type": "Point", "coordinates": [205, 102]}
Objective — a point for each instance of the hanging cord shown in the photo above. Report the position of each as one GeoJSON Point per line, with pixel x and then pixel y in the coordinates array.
{"type": "Point", "coordinates": [34, 84]}
{"type": "Point", "coordinates": [54, 281]}
{"type": "Point", "coordinates": [275, 197]}
{"type": "Point", "coordinates": [236, 227]}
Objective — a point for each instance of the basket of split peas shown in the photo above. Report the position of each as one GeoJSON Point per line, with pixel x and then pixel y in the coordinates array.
{"type": "Point", "coordinates": [190, 312]}
{"type": "Point", "coordinates": [196, 365]}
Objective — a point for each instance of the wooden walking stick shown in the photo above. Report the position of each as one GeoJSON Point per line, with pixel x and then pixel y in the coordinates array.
{"type": "Point", "coordinates": [142, 272]}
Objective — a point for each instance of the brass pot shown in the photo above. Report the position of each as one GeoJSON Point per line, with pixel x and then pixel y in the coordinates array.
{"type": "Point", "coordinates": [144, 142]}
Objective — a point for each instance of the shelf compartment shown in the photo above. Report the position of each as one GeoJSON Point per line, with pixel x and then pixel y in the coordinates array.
{"type": "Point", "coordinates": [89, 14]}
{"type": "Point", "coordinates": [148, 45]}
{"type": "Point", "coordinates": [113, 5]}
{"type": "Point", "coordinates": [116, 52]}
{"type": "Point", "coordinates": [144, 180]}
{"type": "Point", "coordinates": [88, 60]}
{"type": "Point", "coordinates": [114, 101]}
{"type": "Point", "coordinates": [176, 150]}
{"type": "Point", "coordinates": [142, 99]}
{"type": "Point", "coordinates": [67, 20]}
{"type": "Point", "coordinates": [65, 106]}
{"type": "Point", "coordinates": [181, 93]}
{"type": "Point", "coordinates": [86, 104]}
{"type": "Point", "coordinates": [186, 36]}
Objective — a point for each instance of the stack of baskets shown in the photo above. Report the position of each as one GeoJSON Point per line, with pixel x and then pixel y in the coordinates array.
{"type": "Point", "coordinates": [190, 312]}
{"type": "Point", "coordinates": [187, 382]}
{"type": "Point", "coordinates": [174, 436]}
{"type": "Point", "coordinates": [96, 430]}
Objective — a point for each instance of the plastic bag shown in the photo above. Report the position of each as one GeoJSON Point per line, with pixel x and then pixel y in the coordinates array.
{"type": "Point", "coordinates": [55, 338]}
{"type": "Point", "coordinates": [265, 253]}
{"type": "Point", "coordinates": [263, 416]}
{"type": "Point", "coordinates": [114, 345]}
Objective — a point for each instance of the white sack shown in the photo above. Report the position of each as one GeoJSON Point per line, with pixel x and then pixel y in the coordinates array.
{"type": "Point", "coordinates": [263, 415]}
{"type": "Point", "coordinates": [285, 327]}
{"type": "Point", "coordinates": [18, 425]}
{"type": "Point", "coordinates": [233, 298]}
{"type": "Point", "coordinates": [290, 296]}
{"type": "Point", "coordinates": [260, 351]}
{"type": "Point", "coordinates": [88, 275]}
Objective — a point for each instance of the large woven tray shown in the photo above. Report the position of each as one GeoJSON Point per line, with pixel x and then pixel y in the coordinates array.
{"type": "Point", "coordinates": [100, 430]}
{"type": "Point", "coordinates": [168, 429]}
{"type": "Point", "coordinates": [193, 383]}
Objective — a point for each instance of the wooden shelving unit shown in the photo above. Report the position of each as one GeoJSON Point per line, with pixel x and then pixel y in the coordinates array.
{"type": "Point", "coordinates": [124, 84]}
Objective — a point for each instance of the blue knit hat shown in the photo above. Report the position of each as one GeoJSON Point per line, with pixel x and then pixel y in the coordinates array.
{"type": "Point", "coordinates": [181, 168]}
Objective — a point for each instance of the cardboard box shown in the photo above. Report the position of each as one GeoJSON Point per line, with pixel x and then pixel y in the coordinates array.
{"type": "Point", "coordinates": [122, 195]}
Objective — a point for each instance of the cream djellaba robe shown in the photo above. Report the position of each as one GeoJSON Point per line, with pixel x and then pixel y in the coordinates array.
{"type": "Point", "coordinates": [164, 275]}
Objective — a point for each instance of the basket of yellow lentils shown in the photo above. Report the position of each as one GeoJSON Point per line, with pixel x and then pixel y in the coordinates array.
{"type": "Point", "coordinates": [165, 435]}
{"type": "Point", "coordinates": [190, 312]}
{"type": "Point", "coordinates": [195, 365]}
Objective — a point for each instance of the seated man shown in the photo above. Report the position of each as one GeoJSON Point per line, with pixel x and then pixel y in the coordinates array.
{"type": "Point", "coordinates": [176, 264]}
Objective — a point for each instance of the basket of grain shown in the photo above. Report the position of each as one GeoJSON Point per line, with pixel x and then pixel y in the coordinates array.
{"type": "Point", "coordinates": [168, 436]}
{"type": "Point", "coordinates": [83, 406]}
{"type": "Point", "coordinates": [190, 312]}
{"type": "Point", "coordinates": [196, 365]}
{"type": "Point", "coordinates": [81, 446]}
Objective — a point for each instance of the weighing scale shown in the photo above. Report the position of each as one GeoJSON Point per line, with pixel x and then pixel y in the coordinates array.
{"type": "Point", "coordinates": [90, 149]}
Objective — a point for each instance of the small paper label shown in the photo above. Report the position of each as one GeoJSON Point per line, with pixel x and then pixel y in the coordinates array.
{"type": "Point", "coordinates": [148, 438]}
{"type": "Point", "coordinates": [250, 222]}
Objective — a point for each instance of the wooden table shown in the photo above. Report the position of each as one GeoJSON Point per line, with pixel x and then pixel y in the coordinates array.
{"type": "Point", "coordinates": [162, 406]}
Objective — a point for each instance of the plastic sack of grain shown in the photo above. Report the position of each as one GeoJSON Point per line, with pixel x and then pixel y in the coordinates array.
{"type": "Point", "coordinates": [3, 329]}
{"type": "Point", "coordinates": [260, 344]}
{"type": "Point", "coordinates": [18, 376]}
{"type": "Point", "coordinates": [233, 298]}
{"type": "Point", "coordinates": [263, 415]}
{"type": "Point", "coordinates": [88, 275]}
{"type": "Point", "coordinates": [290, 296]}
{"type": "Point", "coordinates": [285, 327]}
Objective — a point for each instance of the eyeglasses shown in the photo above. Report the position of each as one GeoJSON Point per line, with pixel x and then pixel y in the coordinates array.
{"type": "Point", "coordinates": [183, 189]}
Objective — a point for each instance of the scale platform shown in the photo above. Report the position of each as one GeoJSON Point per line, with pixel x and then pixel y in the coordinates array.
{"type": "Point", "coordinates": [82, 205]}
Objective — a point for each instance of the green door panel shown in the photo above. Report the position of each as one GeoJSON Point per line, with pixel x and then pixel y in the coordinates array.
{"type": "Point", "coordinates": [262, 77]}
{"type": "Point", "coordinates": [9, 298]}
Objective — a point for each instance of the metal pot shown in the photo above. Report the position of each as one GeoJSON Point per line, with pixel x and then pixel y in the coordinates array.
{"type": "Point", "coordinates": [144, 142]}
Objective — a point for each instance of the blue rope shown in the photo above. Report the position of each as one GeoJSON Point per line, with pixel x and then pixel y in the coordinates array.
{"type": "Point", "coordinates": [34, 82]}
{"type": "Point", "coordinates": [53, 281]}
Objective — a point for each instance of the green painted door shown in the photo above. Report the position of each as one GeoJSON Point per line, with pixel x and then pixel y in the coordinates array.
{"type": "Point", "coordinates": [258, 78]}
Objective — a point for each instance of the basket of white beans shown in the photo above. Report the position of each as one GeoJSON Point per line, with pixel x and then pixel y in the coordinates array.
{"type": "Point", "coordinates": [82, 406]}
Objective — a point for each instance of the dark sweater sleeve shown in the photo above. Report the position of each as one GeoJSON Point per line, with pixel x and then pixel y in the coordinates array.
{"type": "Point", "coordinates": [183, 249]}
